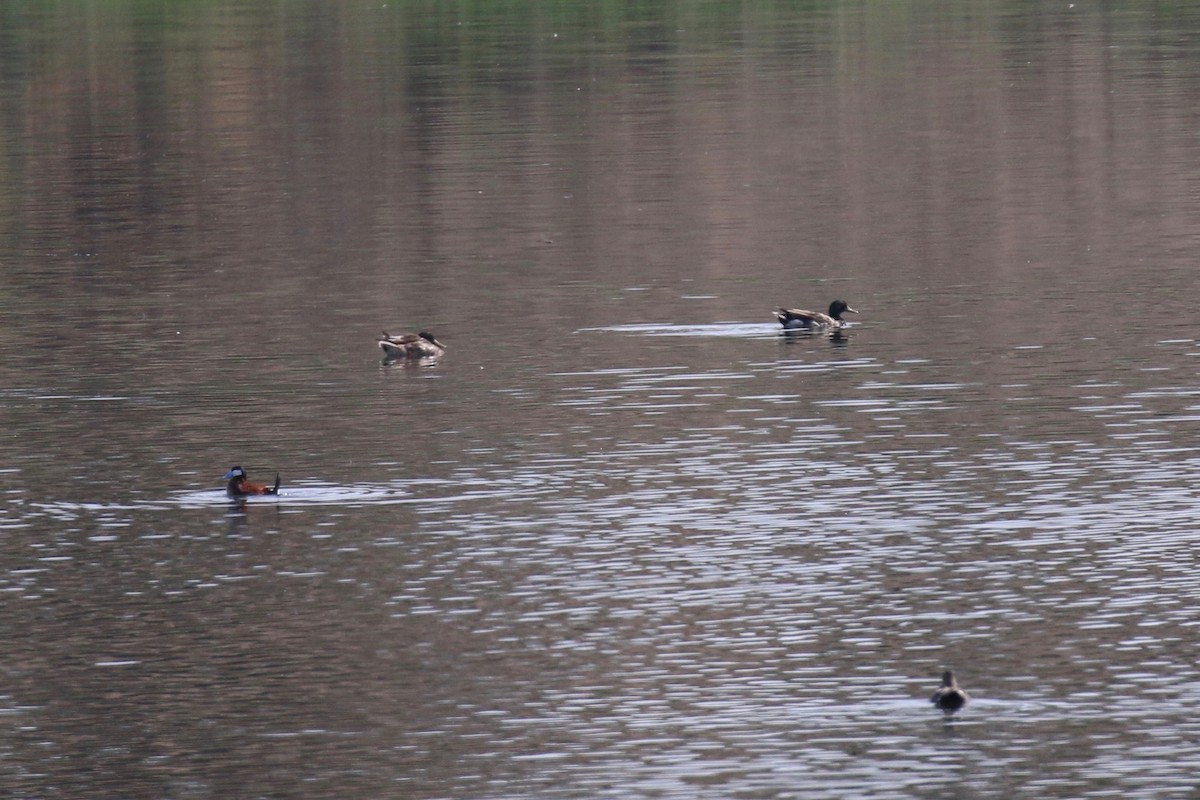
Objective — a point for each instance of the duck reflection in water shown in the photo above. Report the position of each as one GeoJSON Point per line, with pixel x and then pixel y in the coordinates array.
{"type": "Point", "coordinates": [949, 698]}
{"type": "Point", "coordinates": [236, 517]}
{"type": "Point", "coordinates": [239, 524]}
{"type": "Point", "coordinates": [837, 337]}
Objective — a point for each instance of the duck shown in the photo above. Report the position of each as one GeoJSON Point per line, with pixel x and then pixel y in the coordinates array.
{"type": "Point", "coordinates": [411, 345]}
{"type": "Point", "coordinates": [949, 698]}
{"type": "Point", "coordinates": [794, 318]}
{"type": "Point", "coordinates": [238, 486]}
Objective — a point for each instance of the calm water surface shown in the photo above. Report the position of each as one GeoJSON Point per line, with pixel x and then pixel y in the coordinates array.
{"type": "Point", "coordinates": [626, 539]}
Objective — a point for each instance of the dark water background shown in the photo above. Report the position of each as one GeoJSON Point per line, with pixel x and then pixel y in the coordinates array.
{"type": "Point", "coordinates": [625, 539]}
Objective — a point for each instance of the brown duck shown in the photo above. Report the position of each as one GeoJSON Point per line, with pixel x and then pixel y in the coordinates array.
{"type": "Point", "coordinates": [949, 698]}
{"type": "Point", "coordinates": [411, 345]}
{"type": "Point", "coordinates": [800, 319]}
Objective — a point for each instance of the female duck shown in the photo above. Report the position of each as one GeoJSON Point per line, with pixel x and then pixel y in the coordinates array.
{"type": "Point", "coordinates": [238, 486]}
{"type": "Point", "coordinates": [949, 698]}
{"type": "Point", "coordinates": [411, 345]}
{"type": "Point", "coordinates": [798, 318]}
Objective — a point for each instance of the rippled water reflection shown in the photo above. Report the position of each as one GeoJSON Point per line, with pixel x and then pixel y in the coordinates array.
{"type": "Point", "coordinates": [626, 538]}
{"type": "Point", "coordinates": [756, 599]}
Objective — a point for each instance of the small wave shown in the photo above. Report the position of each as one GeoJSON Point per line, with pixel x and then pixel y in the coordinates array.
{"type": "Point", "coordinates": [300, 494]}
{"type": "Point", "coordinates": [333, 495]}
{"type": "Point", "coordinates": [715, 329]}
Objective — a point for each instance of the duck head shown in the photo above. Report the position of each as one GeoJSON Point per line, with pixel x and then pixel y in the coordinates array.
{"type": "Point", "coordinates": [839, 307]}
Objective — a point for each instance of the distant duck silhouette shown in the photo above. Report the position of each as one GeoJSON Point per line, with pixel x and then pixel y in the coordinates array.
{"type": "Point", "coordinates": [411, 345]}
{"type": "Point", "coordinates": [238, 486]}
{"type": "Point", "coordinates": [949, 698]}
{"type": "Point", "coordinates": [798, 318]}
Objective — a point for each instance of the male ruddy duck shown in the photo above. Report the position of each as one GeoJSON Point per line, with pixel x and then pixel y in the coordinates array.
{"type": "Point", "coordinates": [238, 486]}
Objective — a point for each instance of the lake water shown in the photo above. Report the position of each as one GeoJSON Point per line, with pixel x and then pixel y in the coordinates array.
{"type": "Point", "coordinates": [626, 538]}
